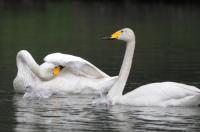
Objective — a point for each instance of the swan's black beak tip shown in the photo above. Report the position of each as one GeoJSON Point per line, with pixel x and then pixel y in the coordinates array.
{"type": "Point", "coordinates": [107, 38]}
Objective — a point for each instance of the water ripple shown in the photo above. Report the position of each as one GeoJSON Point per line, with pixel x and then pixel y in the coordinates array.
{"type": "Point", "coordinates": [75, 112]}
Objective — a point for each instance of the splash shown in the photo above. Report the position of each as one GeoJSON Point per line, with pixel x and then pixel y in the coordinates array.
{"type": "Point", "coordinates": [37, 93]}
{"type": "Point", "coordinates": [102, 100]}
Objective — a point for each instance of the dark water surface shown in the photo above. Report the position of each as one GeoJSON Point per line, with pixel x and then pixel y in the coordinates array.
{"type": "Point", "coordinates": [167, 49]}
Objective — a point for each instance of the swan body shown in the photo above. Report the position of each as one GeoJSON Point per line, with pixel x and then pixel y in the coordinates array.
{"type": "Point", "coordinates": [76, 76]}
{"type": "Point", "coordinates": [155, 94]}
{"type": "Point", "coordinates": [161, 94]}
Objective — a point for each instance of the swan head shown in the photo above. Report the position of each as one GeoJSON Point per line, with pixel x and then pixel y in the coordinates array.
{"type": "Point", "coordinates": [125, 34]}
{"type": "Point", "coordinates": [48, 71]}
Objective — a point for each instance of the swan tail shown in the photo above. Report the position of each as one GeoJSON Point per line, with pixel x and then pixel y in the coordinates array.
{"type": "Point", "coordinates": [193, 101]}
{"type": "Point", "coordinates": [188, 101]}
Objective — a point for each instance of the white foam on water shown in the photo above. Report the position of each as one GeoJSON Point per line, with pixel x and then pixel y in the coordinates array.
{"type": "Point", "coordinates": [102, 100]}
{"type": "Point", "coordinates": [37, 93]}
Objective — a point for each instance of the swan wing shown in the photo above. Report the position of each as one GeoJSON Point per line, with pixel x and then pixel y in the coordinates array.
{"type": "Point", "coordinates": [164, 94]}
{"type": "Point", "coordinates": [75, 65]}
{"type": "Point", "coordinates": [167, 89]}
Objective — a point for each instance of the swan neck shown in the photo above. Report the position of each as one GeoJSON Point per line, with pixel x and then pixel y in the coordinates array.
{"type": "Point", "coordinates": [26, 59]}
{"type": "Point", "coordinates": [127, 62]}
{"type": "Point", "coordinates": [118, 87]}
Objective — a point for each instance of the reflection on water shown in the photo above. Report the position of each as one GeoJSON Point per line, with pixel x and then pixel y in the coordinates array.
{"type": "Point", "coordinates": [167, 49]}
{"type": "Point", "coordinates": [75, 113]}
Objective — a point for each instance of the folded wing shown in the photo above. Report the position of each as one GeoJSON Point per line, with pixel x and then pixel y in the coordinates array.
{"type": "Point", "coordinates": [75, 65]}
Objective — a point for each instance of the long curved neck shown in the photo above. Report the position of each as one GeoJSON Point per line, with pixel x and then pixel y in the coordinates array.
{"type": "Point", "coordinates": [25, 59]}
{"type": "Point", "coordinates": [118, 87]}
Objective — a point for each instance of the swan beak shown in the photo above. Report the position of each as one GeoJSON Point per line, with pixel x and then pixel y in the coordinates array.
{"type": "Point", "coordinates": [107, 38]}
{"type": "Point", "coordinates": [57, 70]}
{"type": "Point", "coordinates": [113, 36]}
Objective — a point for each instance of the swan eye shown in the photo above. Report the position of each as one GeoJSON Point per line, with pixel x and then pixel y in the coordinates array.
{"type": "Point", "coordinates": [57, 70]}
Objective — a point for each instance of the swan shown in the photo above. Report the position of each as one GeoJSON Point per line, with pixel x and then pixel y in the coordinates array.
{"type": "Point", "coordinates": [162, 94]}
{"type": "Point", "coordinates": [60, 73]}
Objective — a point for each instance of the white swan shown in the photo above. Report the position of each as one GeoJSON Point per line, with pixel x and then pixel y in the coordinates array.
{"type": "Point", "coordinates": [155, 94]}
{"type": "Point", "coordinates": [60, 73]}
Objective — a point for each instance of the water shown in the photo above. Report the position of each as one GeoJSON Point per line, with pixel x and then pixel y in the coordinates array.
{"type": "Point", "coordinates": [167, 49]}
{"type": "Point", "coordinates": [74, 113]}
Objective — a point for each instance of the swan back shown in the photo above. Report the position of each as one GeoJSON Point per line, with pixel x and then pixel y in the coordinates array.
{"type": "Point", "coordinates": [162, 94]}
{"type": "Point", "coordinates": [75, 65]}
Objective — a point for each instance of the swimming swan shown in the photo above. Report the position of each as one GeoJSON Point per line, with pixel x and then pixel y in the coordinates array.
{"type": "Point", "coordinates": [154, 94]}
{"type": "Point", "coordinates": [60, 73]}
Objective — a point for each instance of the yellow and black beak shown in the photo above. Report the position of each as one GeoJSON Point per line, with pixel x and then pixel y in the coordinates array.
{"type": "Point", "coordinates": [57, 70]}
{"type": "Point", "coordinates": [113, 36]}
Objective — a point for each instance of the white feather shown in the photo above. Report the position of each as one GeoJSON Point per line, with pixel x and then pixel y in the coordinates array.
{"type": "Point", "coordinates": [155, 94]}
{"type": "Point", "coordinates": [162, 94]}
{"type": "Point", "coordinates": [75, 65]}
{"type": "Point", "coordinates": [78, 75]}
